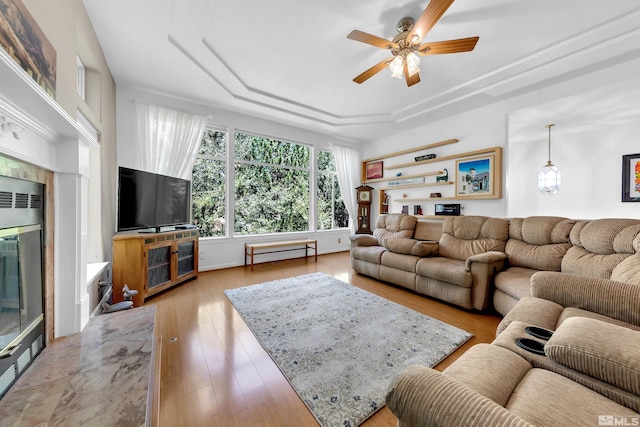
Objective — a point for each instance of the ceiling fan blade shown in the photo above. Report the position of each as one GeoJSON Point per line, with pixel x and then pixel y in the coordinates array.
{"type": "Point", "coordinates": [367, 38]}
{"type": "Point", "coordinates": [411, 80]}
{"type": "Point", "coordinates": [448, 46]}
{"type": "Point", "coordinates": [432, 14]}
{"type": "Point", "coordinates": [372, 71]}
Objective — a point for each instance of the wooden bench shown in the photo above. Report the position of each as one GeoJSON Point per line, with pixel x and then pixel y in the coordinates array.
{"type": "Point", "coordinates": [250, 248]}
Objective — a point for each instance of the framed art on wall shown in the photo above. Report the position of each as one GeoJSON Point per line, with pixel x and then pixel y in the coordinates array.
{"type": "Point", "coordinates": [374, 170]}
{"type": "Point", "coordinates": [476, 177]}
{"type": "Point", "coordinates": [25, 42]}
{"type": "Point", "coordinates": [631, 178]}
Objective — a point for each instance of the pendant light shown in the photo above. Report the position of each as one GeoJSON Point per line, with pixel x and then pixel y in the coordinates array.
{"type": "Point", "coordinates": [549, 175]}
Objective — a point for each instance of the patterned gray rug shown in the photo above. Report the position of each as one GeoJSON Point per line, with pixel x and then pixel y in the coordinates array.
{"type": "Point", "coordinates": [339, 345]}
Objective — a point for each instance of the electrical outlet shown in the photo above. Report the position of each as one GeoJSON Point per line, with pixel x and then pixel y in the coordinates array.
{"type": "Point", "coordinates": [201, 255]}
{"type": "Point", "coordinates": [339, 240]}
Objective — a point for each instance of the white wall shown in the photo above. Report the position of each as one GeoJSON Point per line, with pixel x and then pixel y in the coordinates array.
{"type": "Point", "coordinates": [592, 131]}
{"type": "Point", "coordinates": [587, 144]}
{"type": "Point", "coordinates": [222, 252]}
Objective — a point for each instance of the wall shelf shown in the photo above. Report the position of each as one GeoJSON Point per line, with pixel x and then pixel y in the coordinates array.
{"type": "Point", "coordinates": [426, 199]}
{"type": "Point", "coordinates": [383, 196]}
{"type": "Point", "coordinates": [411, 150]}
{"type": "Point", "coordinates": [425, 184]}
{"type": "Point", "coordinates": [393, 178]}
{"type": "Point", "coordinates": [440, 159]}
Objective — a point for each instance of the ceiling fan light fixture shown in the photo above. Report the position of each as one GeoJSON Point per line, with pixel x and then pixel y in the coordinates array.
{"type": "Point", "coordinates": [412, 63]}
{"type": "Point", "coordinates": [396, 67]}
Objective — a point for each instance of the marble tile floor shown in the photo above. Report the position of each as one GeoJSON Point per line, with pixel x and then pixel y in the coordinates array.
{"type": "Point", "coordinates": [99, 377]}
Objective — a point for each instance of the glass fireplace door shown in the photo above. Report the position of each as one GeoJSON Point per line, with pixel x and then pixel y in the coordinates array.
{"type": "Point", "coordinates": [21, 299]}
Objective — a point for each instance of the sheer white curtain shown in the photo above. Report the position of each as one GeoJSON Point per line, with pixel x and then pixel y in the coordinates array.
{"type": "Point", "coordinates": [348, 169]}
{"type": "Point", "coordinates": [169, 139]}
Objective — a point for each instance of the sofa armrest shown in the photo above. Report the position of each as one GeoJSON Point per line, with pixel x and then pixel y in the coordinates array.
{"type": "Point", "coordinates": [363, 240]}
{"type": "Point", "coordinates": [618, 300]}
{"type": "Point", "coordinates": [492, 257]}
{"type": "Point", "coordinates": [420, 396]}
{"type": "Point", "coordinates": [585, 345]}
{"type": "Point", "coordinates": [533, 311]}
{"type": "Point", "coordinates": [483, 268]}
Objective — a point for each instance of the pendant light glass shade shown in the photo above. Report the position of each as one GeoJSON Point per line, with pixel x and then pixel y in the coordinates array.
{"type": "Point", "coordinates": [549, 177]}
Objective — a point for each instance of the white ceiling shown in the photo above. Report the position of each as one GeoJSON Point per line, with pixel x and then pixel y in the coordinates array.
{"type": "Point", "coordinates": [290, 61]}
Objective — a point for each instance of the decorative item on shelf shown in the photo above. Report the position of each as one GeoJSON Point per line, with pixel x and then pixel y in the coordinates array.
{"type": "Point", "coordinates": [425, 157]}
{"type": "Point", "coordinates": [452, 209]}
{"type": "Point", "coordinates": [404, 196]}
{"type": "Point", "coordinates": [631, 178]}
{"type": "Point", "coordinates": [407, 181]}
{"type": "Point", "coordinates": [374, 170]}
{"type": "Point", "coordinates": [364, 209]}
{"type": "Point", "coordinates": [399, 174]}
{"type": "Point", "coordinates": [435, 195]}
{"type": "Point", "coordinates": [443, 178]}
{"type": "Point", "coordinates": [549, 175]}
{"type": "Point", "coordinates": [405, 209]}
{"type": "Point", "coordinates": [417, 210]}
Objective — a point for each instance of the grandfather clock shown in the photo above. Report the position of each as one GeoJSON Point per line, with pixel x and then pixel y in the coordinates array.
{"type": "Point", "coordinates": [364, 209]}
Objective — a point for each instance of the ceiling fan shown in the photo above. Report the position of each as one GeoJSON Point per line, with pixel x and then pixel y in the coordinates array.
{"type": "Point", "coordinates": [406, 45]}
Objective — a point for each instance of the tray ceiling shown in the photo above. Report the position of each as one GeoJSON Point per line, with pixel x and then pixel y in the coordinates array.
{"type": "Point", "coordinates": [291, 62]}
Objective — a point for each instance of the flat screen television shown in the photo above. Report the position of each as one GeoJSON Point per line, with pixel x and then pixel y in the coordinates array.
{"type": "Point", "coordinates": [151, 201]}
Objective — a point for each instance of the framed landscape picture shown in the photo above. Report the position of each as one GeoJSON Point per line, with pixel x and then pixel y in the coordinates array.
{"type": "Point", "coordinates": [476, 177]}
{"type": "Point", "coordinates": [631, 178]}
{"type": "Point", "coordinates": [374, 170]}
{"type": "Point", "coordinates": [24, 41]}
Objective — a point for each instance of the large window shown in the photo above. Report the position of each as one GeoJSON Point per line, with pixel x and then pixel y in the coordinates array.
{"type": "Point", "coordinates": [209, 184]}
{"type": "Point", "coordinates": [271, 185]}
{"type": "Point", "coordinates": [332, 212]}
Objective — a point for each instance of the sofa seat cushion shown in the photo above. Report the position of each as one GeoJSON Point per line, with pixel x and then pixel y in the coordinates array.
{"type": "Point", "coordinates": [546, 398]}
{"type": "Point", "coordinates": [584, 344]}
{"type": "Point", "coordinates": [445, 269]}
{"type": "Point", "coordinates": [399, 261]}
{"type": "Point", "coordinates": [515, 281]}
{"type": "Point", "coordinates": [368, 253]}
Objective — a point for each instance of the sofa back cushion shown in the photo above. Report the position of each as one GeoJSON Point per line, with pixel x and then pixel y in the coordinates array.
{"type": "Point", "coordinates": [428, 230]}
{"type": "Point", "coordinates": [464, 236]}
{"type": "Point", "coordinates": [394, 225]}
{"type": "Point", "coordinates": [598, 246]}
{"type": "Point", "coordinates": [538, 242]}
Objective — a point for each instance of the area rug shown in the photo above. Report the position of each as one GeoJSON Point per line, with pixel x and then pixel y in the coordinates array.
{"type": "Point", "coordinates": [338, 345]}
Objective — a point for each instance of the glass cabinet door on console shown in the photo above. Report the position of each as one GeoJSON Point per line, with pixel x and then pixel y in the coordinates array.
{"type": "Point", "coordinates": [186, 263]}
{"type": "Point", "coordinates": [159, 265]}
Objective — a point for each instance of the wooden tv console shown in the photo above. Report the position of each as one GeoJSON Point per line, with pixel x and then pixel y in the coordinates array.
{"type": "Point", "coordinates": [153, 262]}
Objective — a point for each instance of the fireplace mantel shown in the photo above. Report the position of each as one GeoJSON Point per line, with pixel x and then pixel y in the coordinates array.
{"type": "Point", "coordinates": [36, 130]}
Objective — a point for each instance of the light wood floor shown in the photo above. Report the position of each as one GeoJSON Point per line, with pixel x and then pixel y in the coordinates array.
{"type": "Point", "coordinates": [216, 374]}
